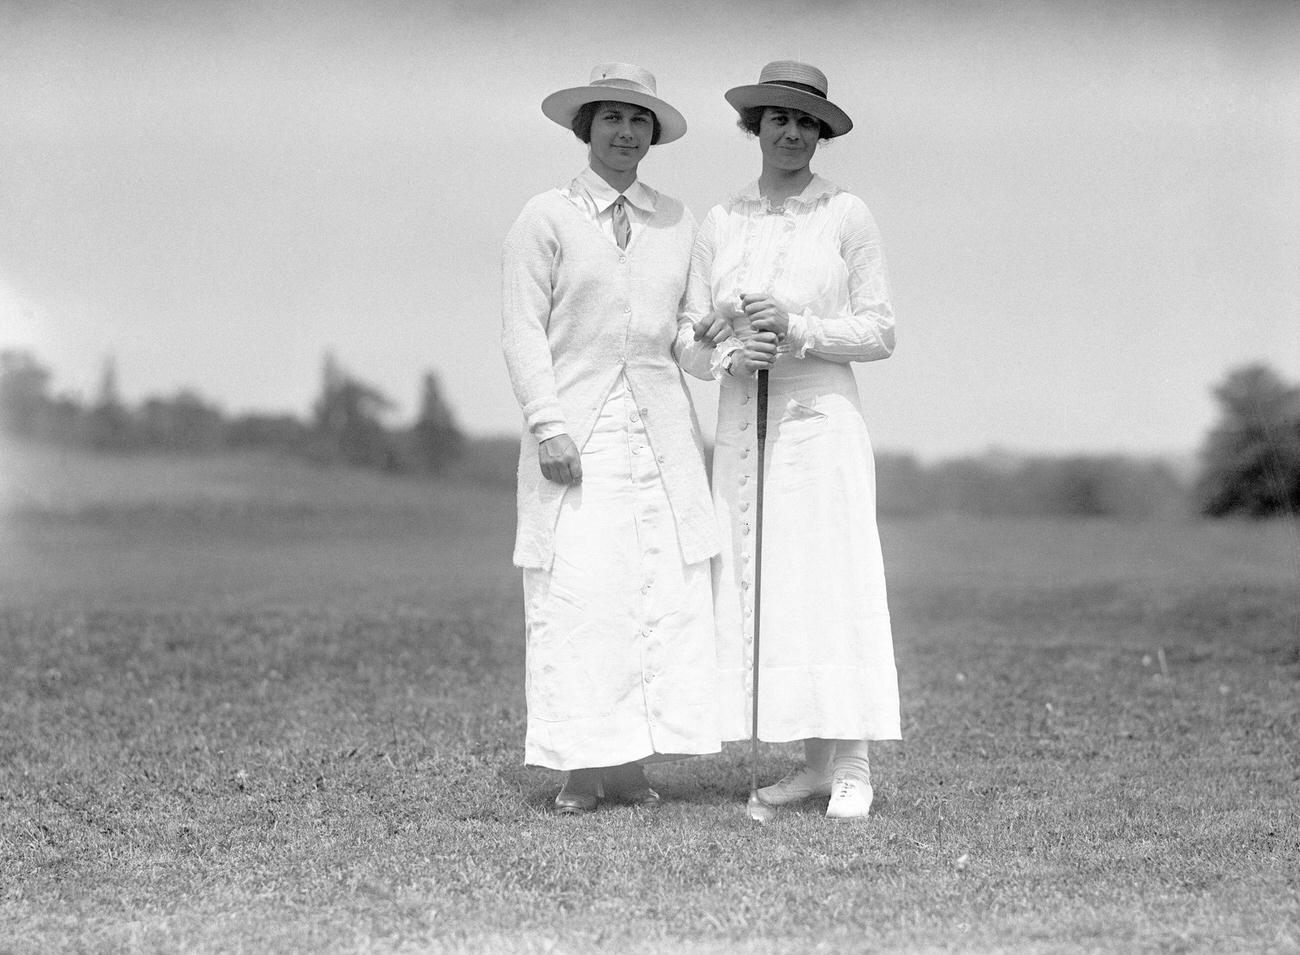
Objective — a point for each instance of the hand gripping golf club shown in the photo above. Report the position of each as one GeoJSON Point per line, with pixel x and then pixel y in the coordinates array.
{"type": "Point", "coordinates": [758, 810]}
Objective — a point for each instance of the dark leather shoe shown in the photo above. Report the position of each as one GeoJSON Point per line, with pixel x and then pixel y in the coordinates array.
{"type": "Point", "coordinates": [580, 793]}
{"type": "Point", "coordinates": [627, 783]}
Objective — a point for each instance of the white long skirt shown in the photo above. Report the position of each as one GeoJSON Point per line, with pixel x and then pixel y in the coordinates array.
{"type": "Point", "coordinates": [621, 661]}
{"type": "Point", "coordinates": [826, 655]}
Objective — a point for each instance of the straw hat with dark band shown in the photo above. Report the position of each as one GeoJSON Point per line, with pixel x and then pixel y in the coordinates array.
{"type": "Point", "coordinates": [792, 85]}
{"type": "Point", "coordinates": [619, 83]}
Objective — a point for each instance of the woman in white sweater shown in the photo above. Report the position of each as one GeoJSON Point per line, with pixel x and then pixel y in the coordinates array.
{"type": "Point", "coordinates": [616, 527]}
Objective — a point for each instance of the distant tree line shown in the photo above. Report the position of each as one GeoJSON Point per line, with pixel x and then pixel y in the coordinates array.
{"type": "Point", "coordinates": [346, 424]}
{"type": "Point", "coordinates": [1249, 464]}
{"type": "Point", "coordinates": [995, 485]}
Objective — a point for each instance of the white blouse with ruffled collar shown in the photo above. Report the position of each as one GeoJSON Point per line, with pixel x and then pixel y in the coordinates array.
{"type": "Point", "coordinates": [818, 254]}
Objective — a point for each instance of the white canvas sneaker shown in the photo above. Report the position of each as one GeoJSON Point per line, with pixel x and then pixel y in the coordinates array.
{"type": "Point", "coordinates": [800, 783]}
{"type": "Point", "coordinates": [850, 798]}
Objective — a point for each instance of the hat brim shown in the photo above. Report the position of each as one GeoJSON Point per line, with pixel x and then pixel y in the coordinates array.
{"type": "Point", "coordinates": [769, 94]}
{"type": "Point", "coordinates": [562, 105]}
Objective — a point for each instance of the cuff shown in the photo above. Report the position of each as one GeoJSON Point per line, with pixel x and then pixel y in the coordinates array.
{"type": "Point", "coordinates": [549, 429]}
{"type": "Point", "coordinates": [796, 336]}
{"type": "Point", "coordinates": [545, 417]}
{"type": "Point", "coordinates": [721, 354]}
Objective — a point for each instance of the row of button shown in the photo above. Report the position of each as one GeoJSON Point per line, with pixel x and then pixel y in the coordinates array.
{"type": "Point", "coordinates": [746, 529]}
{"type": "Point", "coordinates": [648, 677]}
{"type": "Point", "coordinates": [638, 448]}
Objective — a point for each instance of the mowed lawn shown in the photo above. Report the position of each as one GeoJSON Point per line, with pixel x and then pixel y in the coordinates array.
{"type": "Point", "coordinates": [250, 706]}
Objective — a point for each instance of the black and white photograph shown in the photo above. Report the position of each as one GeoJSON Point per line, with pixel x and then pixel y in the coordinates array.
{"type": "Point", "coordinates": [649, 477]}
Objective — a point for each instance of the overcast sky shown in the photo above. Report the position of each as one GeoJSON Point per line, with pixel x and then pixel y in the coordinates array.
{"type": "Point", "coordinates": [1091, 211]}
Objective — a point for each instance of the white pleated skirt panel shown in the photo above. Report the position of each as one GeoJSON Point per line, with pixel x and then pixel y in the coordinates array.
{"type": "Point", "coordinates": [826, 644]}
{"type": "Point", "coordinates": [621, 659]}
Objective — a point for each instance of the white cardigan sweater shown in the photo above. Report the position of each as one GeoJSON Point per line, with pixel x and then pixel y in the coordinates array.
{"type": "Point", "coordinates": [578, 311]}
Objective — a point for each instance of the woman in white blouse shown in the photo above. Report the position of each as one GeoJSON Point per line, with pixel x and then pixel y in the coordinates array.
{"type": "Point", "coordinates": [616, 526]}
{"type": "Point", "coordinates": [794, 264]}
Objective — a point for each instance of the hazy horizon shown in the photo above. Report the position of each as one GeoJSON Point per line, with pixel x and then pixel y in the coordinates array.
{"type": "Point", "coordinates": [1090, 214]}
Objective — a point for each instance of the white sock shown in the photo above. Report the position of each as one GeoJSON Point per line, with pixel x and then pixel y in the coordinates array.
{"type": "Point", "coordinates": [851, 759]}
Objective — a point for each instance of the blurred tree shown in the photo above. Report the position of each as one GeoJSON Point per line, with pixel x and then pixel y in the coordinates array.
{"type": "Point", "coordinates": [435, 441]}
{"type": "Point", "coordinates": [902, 488]}
{"type": "Point", "coordinates": [64, 420]}
{"type": "Point", "coordinates": [109, 425]}
{"type": "Point", "coordinates": [346, 424]}
{"type": "Point", "coordinates": [1250, 463]}
{"type": "Point", "coordinates": [182, 423]}
{"type": "Point", "coordinates": [981, 485]}
{"type": "Point", "coordinates": [997, 484]}
{"type": "Point", "coordinates": [264, 432]}
{"type": "Point", "coordinates": [1100, 486]}
{"type": "Point", "coordinates": [347, 421]}
{"type": "Point", "coordinates": [24, 405]}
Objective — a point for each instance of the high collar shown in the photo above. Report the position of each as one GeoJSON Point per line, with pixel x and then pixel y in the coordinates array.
{"type": "Point", "coordinates": [604, 195]}
{"type": "Point", "coordinates": [817, 189]}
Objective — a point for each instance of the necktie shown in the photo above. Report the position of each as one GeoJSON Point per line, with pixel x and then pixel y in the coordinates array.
{"type": "Point", "coordinates": [622, 228]}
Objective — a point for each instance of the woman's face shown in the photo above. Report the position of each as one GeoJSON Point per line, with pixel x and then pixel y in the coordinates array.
{"type": "Point", "coordinates": [788, 137]}
{"type": "Point", "coordinates": [620, 136]}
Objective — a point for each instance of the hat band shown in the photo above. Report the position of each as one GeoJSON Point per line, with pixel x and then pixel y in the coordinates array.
{"type": "Point", "coordinates": [618, 84]}
{"type": "Point", "coordinates": [790, 84]}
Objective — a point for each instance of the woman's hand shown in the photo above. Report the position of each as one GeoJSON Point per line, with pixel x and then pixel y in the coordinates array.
{"type": "Point", "coordinates": [765, 315]}
{"type": "Point", "coordinates": [714, 328]}
{"type": "Point", "coordinates": [560, 460]}
{"type": "Point", "coordinates": [757, 354]}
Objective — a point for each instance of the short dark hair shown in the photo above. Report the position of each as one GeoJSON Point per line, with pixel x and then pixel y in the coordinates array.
{"type": "Point", "coordinates": [751, 118]}
{"type": "Point", "coordinates": [581, 124]}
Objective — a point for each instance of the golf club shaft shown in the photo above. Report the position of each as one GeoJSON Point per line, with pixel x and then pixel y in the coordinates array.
{"type": "Point", "coordinates": [761, 434]}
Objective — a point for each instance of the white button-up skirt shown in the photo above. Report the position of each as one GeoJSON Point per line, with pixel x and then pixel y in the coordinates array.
{"type": "Point", "coordinates": [621, 660]}
{"type": "Point", "coordinates": [826, 652]}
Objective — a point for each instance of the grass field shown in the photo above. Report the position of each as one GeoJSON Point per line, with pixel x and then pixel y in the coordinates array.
{"type": "Point", "coordinates": [249, 706]}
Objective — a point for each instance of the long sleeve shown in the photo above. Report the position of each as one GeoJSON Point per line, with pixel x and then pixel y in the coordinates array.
{"type": "Point", "coordinates": [864, 330]}
{"type": "Point", "coordinates": [527, 263]}
{"type": "Point", "coordinates": [698, 358]}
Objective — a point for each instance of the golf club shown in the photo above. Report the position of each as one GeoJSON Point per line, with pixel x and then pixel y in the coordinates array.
{"type": "Point", "coordinates": [758, 810]}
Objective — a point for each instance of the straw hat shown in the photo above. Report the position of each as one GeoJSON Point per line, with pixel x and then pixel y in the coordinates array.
{"type": "Point", "coordinates": [795, 86]}
{"type": "Point", "coordinates": [620, 83]}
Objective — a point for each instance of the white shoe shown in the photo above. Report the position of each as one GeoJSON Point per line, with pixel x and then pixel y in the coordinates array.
{"type": "Point", "coordinates": [850, 798]}
{"type": "Point", "coordinates": [800, 783]}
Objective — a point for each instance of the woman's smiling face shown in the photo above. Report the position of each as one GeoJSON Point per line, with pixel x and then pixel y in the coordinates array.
{"type": "Point", "coordinates": [788, 137]}
{"type": "Point", "coordinates": [620, 136]}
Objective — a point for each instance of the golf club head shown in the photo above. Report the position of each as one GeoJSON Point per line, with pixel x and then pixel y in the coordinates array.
{"type": "Point", "coordinates": [759, 811]}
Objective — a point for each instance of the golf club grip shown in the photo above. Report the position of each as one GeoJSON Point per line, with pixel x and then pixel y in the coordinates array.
{"type": "Point", "coordinates": [761, 435]}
